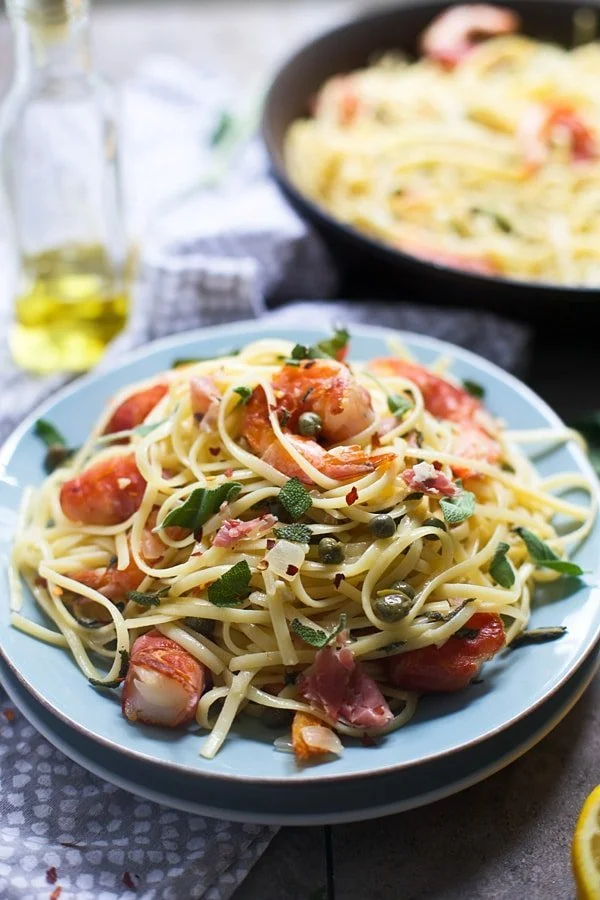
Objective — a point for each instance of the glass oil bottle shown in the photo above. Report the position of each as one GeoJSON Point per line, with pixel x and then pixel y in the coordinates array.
{"type": "Point", "coordinates": [58, 157]}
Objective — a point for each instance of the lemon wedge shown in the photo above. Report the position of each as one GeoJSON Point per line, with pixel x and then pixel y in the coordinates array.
{"type": "Point", "coordinates": [586, 849]}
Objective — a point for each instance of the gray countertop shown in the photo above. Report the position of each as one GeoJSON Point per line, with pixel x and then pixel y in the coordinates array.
{"type": "Point", "coordinates": [506, 838]}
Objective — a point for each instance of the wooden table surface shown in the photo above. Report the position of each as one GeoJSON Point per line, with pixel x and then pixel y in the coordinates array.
{"type": "Point", "coordinates": [508, 837]}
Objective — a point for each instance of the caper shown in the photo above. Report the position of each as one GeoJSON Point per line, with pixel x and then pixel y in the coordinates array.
{"type": "Point", "coordinates": [403, 587]}
{"type": "Point", "coordinates": [393, 606]}
{"type": "Point", "coordinates": [202, 626]}
{"type": "Point", "coordinates": [309, 424]}
{"type": "Point", "coordinates": [382, 526]}
{"type": "Point", "coordinates": [330, 551]}
{"type": "Point", "coordinates": [434, 523]}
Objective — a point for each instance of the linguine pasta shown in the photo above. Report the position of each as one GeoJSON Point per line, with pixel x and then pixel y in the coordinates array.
{"type": "Point", "coordinates": [256, 643]}
{"type": "Point", "coordinates": [486, 162]}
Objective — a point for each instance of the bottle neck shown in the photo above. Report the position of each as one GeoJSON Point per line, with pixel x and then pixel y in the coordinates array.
{"type": "Point", "coordinates": [51, 37]}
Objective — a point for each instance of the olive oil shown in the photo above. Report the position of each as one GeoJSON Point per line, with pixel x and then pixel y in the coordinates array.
{"type": "Point", "coordinates": [70, 307]}
{"type": "Point", "coordinates": [59, 167]}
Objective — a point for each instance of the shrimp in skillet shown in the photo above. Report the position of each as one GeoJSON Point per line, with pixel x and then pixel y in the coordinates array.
{"type": "Point", "coordinates": [340, 409]}
{"type": "Point", "coordinates": [454, 33]}
{"type": "Point", "coordinates": [476, 437]}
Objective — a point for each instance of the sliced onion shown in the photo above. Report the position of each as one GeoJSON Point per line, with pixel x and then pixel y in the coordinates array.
{"type": "Point", "coordinates": [283, 744]}
{"type": "Point", "coordinates": [286, 559]}
{"type": "Point", "coordinates": [321, 738]}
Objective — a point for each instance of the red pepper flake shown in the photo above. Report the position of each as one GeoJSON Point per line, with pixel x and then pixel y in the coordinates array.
{"type": "Point", "coordinates": [197, 553]}
{"type": "Point", "coordinates": [214, 451]}
{"type": "Point", "coordinates": [129, 882]}
{"type": "Point", "coordinates": [292, 570]}
{"type": "Point", "coordinates": [9, 714]}
{"type": "Point", "coordinates": [310, 364]}
{"type": "Point", "coordinates": [228, 473]}
{"type": "Point", "coordinates": [40, 582]}
{"type": "Point", "coordinates": [273, 407]}
{"type": "Point", "coordinates": [56, 893]}
{"type": "Point", "coordinates": [338, 578]}
{"type": "Point", "coordinates": [262, 565]}
{"type": "Point", "coordinates": [368, 741]}
{"type": "Point", "coordinates": [376, 441]}
{"type": "Point", "coordinates": [51, 875]}
{"type": "Point", "coordinates": [352, 496]}
{"type": "Point", "coordinates": [437, 465]}
{"type": "Point", "coordinates": [270, 543]}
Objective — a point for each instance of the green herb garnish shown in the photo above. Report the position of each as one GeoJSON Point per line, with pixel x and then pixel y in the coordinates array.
{"type": "Point", "coordinates": [500, 568]}
{"type": "Point", "coordinates": [50, 435]}
{"type": "Point", "coordinates": [498, 218]}
{"type": "Point", "coordinates": [201, 505]}
{"type": "Point", "coordinates": [222, 129]}
{"type": "Point", "coordinates": [457, 509]}
{"type": "Point", "coordinates": [328, 348]}
{"type": "Point", "coordinates": [147, 598]}
{"type": "Point", "coordinates": [96, 682]}
{"type": "Point", "coordinates": [58, 450]}
{"type": "Point", "coordinates": [295, 499]}
{"type": "Point", "coordinates": [332, 346]}
{"type": "Point", "coordinates": [317, 637]}
{"type": "Point", "coordinates": [398, 405]}
{"type": "Point", "coordinates": [244, 392]}
{"type": "Point", "coordinates": [544, 557]}
{"type": "Point", "coordinates": [232, 588]}
{"type": "Point", "coordinates": [538, 636]}
{"type": "Point", "coordinates": [473, 388]}
{"type": "Point", "coordinates": [298, 534]}
{"type": "Point", "coordinates": [441, 617]}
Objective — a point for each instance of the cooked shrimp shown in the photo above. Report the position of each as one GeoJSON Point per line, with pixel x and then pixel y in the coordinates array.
{"type": "Point", "coordinates": [452, 665]}
{"type": "Point", "coordinates": [106, 493]}
{"type": "Point", "coordinates": [324, 387]}
{"type": "Point", "coordinates": [456, 31]}
{"type": "Point", "coordinates": [132, 411]}
{"type": "Point", "coordinates": [205, 399]}
{"type": "Point", "coordinates": [113, 583]}
{"type": "Point", "coordinates": [540, 123]}
{"type": "Point", "coordinates": [475, 439]}
{"type": "Point", "coordinates": [338, 99]}
{"type": "Point", "coordinates": [466, 262]}
{"type": "Point", "coordinates": [164, 682]}
{"type": "Point", "coordinates": [312, 738]}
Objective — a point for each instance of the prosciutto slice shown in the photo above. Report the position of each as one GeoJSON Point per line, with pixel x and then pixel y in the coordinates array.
{"type": "Point", "coordinates": [338, 684]}
{"type": "Point", "coordinates": [234, 530]}
{"type": "Point", "coordinates": [426, 479]}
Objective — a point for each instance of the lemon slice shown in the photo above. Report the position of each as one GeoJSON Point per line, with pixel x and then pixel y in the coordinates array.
{"type": "Point", "coordinates": [586, 849]}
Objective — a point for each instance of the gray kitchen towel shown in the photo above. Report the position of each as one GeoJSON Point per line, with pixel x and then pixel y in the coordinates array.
{"type": "Point", "coordinates": [65, 833]}
{"type": "Point", "coordinates": [218, 254]}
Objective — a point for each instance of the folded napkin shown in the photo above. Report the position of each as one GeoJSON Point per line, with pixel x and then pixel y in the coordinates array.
{"type": "Point", "coordinates": [218, 254]}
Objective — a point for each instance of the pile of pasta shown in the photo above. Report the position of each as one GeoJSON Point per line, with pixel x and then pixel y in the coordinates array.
{"type": "Point", "coordinates": [479, 156]}
{"type": "Point", "coordinates": [304, 566]}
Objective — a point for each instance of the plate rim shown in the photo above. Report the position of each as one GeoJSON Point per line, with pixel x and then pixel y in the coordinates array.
{"type": "Point", "coordinates": [424, 799]}
{"type": "Point", "coordinates": [258, 327]}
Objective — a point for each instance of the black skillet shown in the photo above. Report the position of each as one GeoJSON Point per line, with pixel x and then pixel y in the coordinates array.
{"type": "Point", "coordinates": [371, 266]}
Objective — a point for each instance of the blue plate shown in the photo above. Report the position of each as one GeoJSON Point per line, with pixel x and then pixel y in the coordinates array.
{"type": "Point", "coordinates": [368, 799]}
{"type": "Point", "coordinates": [514, 684]}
